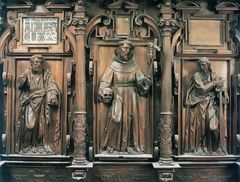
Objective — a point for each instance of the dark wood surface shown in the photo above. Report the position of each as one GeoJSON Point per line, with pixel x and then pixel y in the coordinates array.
{"type": "Point", "coordinates": [169, 38]}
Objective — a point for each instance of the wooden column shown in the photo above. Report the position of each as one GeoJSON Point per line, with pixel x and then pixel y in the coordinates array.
{"type": "Point", "coordinates": [166, 125]}
{"type": "Point", "coordinates": [165, 166]}
{"type": "Point", "coordinates": [80, 164]}
{"type": "Point", "coordinates": [168, 26]}
{"type": "Point", "coordinates": [80, 100]}
{"type": "Point", "coordinates": [166, 118]}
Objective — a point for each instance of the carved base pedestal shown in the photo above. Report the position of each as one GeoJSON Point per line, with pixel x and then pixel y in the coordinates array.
{"type": "Point", "coordinates": [34, 168]}
{"type": "Point", "coordinates": [80, 170]}
{"type": "Point", "coordinates": [165, 171]}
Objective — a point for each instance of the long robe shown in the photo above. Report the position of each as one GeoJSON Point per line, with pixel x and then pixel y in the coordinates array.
{"type": "Point", "coordinates": [35, 112]}
{"type": "Point", "coordinates": [125, 126]}
{"type": "Point", "coordinates": [202, 113]}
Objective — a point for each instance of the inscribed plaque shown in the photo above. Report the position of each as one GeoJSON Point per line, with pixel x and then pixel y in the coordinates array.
{"type": "Point", "coordinates": [40, 30]}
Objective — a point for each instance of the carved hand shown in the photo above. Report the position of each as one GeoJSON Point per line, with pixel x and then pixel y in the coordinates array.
{"type": "Point", "coordinates": [53, 100]}
{"type": "Point", "coordinates": [219, 83]}
{"type": "Point", "coordinates": [21, 81]}
{"type": "Point", "coordinates": [147, 81]}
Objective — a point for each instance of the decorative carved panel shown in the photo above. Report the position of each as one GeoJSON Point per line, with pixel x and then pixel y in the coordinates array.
{"type": "Point", "coordinates": [187, 68]}
{"type": "Point", "coordinates": [206, 32]}
{"type": "Point", "coordinates": [129, 174]}
{"type": "Point", "coordinates": [55, 131]}
{"type": "Point", "coordinates": [44, 28]}
{"type": "Point", "coordinates": [103, 59]}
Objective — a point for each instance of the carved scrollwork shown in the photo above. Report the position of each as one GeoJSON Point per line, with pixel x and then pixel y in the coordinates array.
{"type": "Point", "coordinates": [107, 20]}
{"type": "Point", "coordinates": [165, 177]}
{"type": "Point", "coordinates": [104, 32]}
{"type": "Point", "coordinates": [102, 24]}
{"type": "Point", "coordinates": [12, 18]}
{"type": "Point", "coordinates": [141, 32]}
{"type": "Point", "coordinates": [67, 46]}
{"type": "Point", "coordinates": [79, 175]}
{"type": "Point", "coordinates": [139, 19]}
{"type": "Point", "coordinates": [67, 19]}
{"type": "Point", "coordinates": [145, 23]}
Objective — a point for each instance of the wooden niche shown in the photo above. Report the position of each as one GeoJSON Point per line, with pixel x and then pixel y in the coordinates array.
{"type": "Point", "coordinates": [37, 40]}
{"type": "Point", "coordinates": [205, 105]}
{"type": "Point", "coordinates": [132, 134]}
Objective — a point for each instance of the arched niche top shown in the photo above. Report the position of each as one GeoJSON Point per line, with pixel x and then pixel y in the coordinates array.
{"type": "Point", "coordinates": [188, 5]}
{"type": "Point", "coordinates": [228, 6]}
{"type": "Point", "coordinates": [104, 19]}
{"type": "Point", "coordinates": [5, 37]}
{"type": "Point", "coordinates": [141, 26]}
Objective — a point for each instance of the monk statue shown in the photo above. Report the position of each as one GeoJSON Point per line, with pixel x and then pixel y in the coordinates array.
{"type": "Point", "coordinates": [122, 85]}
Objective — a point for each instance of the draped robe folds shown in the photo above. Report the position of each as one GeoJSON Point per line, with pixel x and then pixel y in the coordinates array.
{"type": "Point", "coordinates": [35, 109]}
{"type": "Point", "coordinates": [202, 113]}
{"type": "Point", "coordinates": [125, 124]}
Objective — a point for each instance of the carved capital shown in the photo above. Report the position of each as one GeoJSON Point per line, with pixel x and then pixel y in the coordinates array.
{"type": "Point", "coordinates": [169, 26]}
{"type": "Point", "coordinates": [165, 134]}
{"type": "Point", "coordinates": [79, 17]}
{"type": "Point", "coordinates": [168, 22]}
{"type": "Point", "coordinates": [79, 175]}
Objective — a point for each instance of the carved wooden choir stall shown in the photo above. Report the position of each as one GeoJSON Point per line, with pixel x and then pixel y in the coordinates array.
{"type": "Point", "coordinates": [120, 91]}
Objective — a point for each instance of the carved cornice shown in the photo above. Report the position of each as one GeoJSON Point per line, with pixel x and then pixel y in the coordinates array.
{"type": "Point", "coordinates": [123, 4]}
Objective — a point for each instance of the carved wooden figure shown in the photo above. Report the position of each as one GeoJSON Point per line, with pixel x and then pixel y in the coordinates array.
{"type": "Point", "coordinates": [38, 98]}
{"type": "Point", "coordinates": [121, 86]}
{"type": "Point", "coordinates": [204, 131]}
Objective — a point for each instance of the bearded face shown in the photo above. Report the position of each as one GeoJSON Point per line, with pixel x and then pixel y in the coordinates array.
{"type": "Point", "coordinates": [37, 65]}
{"type": "Point", "coordinates": [125, 52]}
